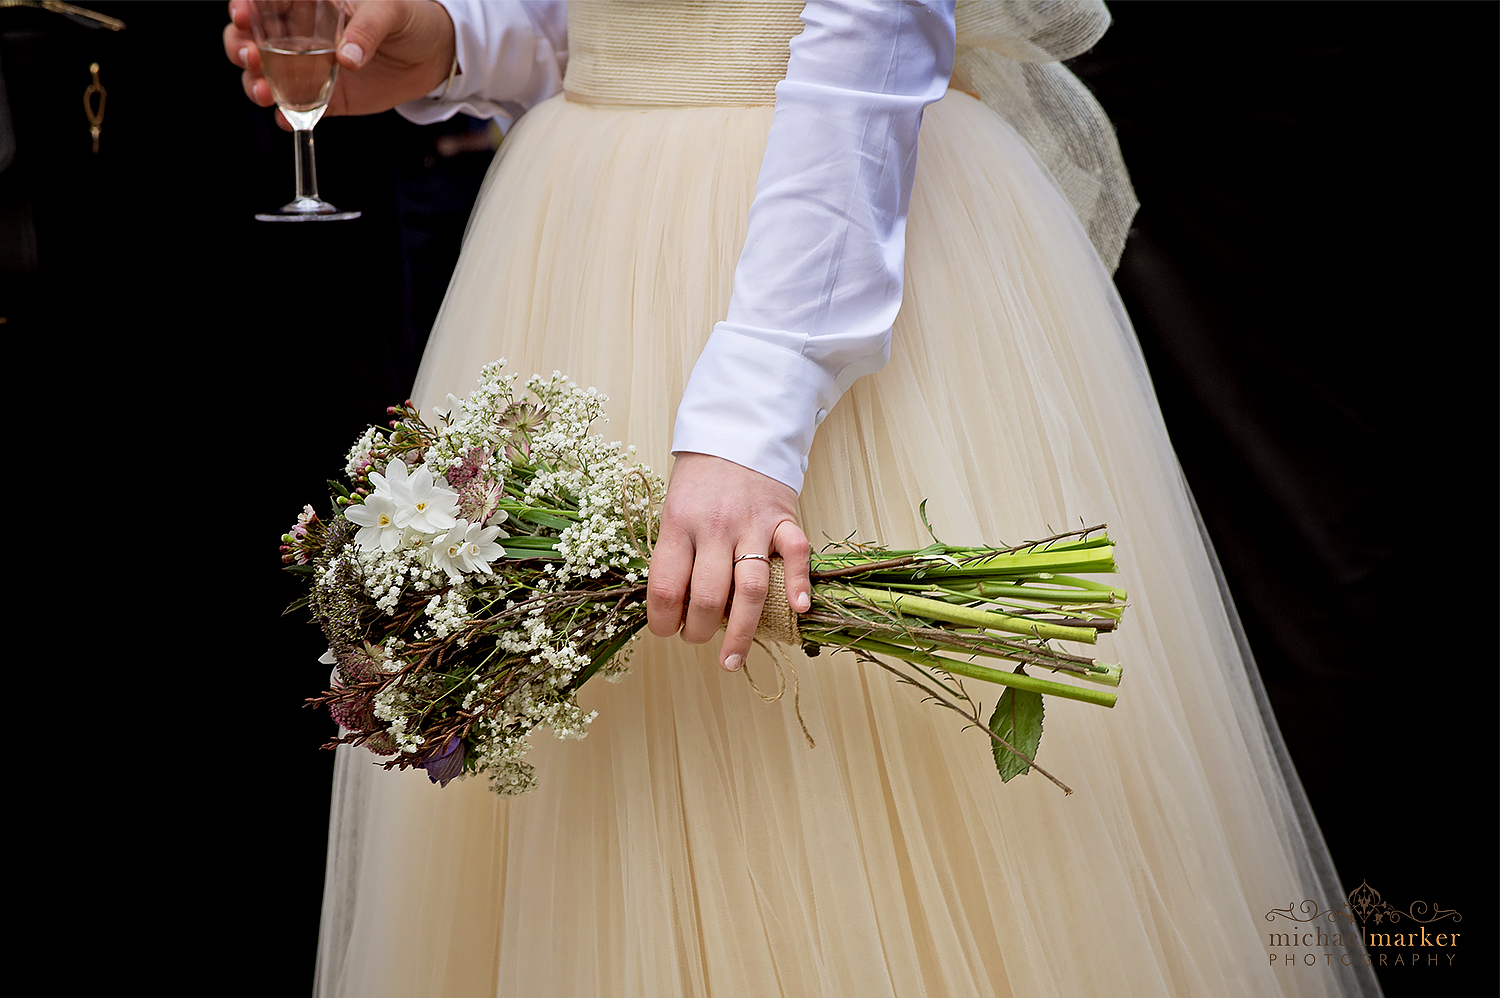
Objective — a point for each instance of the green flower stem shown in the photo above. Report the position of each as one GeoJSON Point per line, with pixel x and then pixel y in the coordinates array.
{"type": "Point", "coordinates": [607, 652]}
{"type": "Point", "coordinates": [523, 546]}
{"type": "Point", "coordinates": [1107, 616]}
{"type": "Point", "coordinates": [972, 671]}
{"type": "Point", "coordinates": [1104, 673]}
{"type": "Point", "coordinates": [965, 642]}
{"type": "Point", "coordinates": [1007, 597]}
{"type": "Point", "coordinates": [962, 593]}
{"type": "Point", "coordinates": [988, 646]}
{"type": "Point", "coordinates": [1099, 559]}
{"type": "Point", "coordinates": [1040, 594]}
{"type": "Point", "coordinates": [1039, 558]}
{"type": "Point", "coordinates": [1099, 587]}
{"type": "Point", "coordinates": [970, 617]}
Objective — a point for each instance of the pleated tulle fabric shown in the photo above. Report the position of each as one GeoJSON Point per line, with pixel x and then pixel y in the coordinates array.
{"type": "Point", "coordinates": [693, 844]}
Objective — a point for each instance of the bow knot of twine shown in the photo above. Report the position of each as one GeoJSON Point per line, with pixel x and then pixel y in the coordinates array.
{"type": "Point", "coordinates": [778, 622]}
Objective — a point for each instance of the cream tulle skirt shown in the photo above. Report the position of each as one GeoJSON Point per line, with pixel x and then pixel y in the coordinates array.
{"type": "Point", "coordinates": [694, 844]}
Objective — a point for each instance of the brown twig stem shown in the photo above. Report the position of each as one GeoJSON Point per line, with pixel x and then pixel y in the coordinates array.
{"type": "Point", "coordinates": [974, 718]}
{"type": "Point", "coordinates": [872, 566]}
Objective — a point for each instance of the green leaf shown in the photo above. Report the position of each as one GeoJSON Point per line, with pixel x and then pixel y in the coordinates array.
{"type": "Point", "coordinates": [1018, 720]}
{"type": "Point", "coordinates": [602, 655]}
{"type": "Point", "coordinates": [527, 541]}
{"type": "Point", "coordinates": [543, 519]}
{"type": "Point", "coordinates": [922, 512]}
{"type": "Point", "coordinates": [544, 548]}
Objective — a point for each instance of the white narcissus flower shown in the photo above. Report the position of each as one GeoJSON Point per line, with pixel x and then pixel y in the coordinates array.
{"type": "Point", "coordinates": [422, 503]}
{"type": "Point", "coordinates": [376, 517]}
{"type": "Point", "coordinates": [419, 544]}
{"type": "Point", "coordinates": [395, 474]}
{"type": "Point", "coordinates": [482, 549]}
{"type": "Point", "coordinates": [467, 547]}
{"type": "Point", "coordinates": [451, 410]}
{"type": "Point", "coordinates": [434, 505]}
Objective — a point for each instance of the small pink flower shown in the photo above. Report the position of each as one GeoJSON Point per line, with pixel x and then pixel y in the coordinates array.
{"type": "Point", "coordinates": [463, 472]}
{"type": "Point", "coordinates": [300, 542]}
{"type": "Point", "coordinates": [478, 501]}
{"type": "Point", "coordinates": [353, 713]}
{"type": "Point", "coordinates": [524, 418]}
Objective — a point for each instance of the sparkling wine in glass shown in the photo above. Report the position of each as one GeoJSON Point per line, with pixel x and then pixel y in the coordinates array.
{"type": "Point", "coordinates": [297, 40]}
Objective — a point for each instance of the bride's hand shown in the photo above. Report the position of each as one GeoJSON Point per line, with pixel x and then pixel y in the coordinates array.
{"type": "Point", "coordinates": [716, 511]}
{"type": "Point", "coordinates": [391, 53]}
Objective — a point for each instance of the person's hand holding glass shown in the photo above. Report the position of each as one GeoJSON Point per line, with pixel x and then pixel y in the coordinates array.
{"type": "Point", "coordinates": [392, 51]}
{"type": "Point", "coordinates": [296, 41]}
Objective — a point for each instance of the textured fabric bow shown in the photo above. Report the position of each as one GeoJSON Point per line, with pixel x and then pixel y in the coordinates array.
{"type": "Point", "coordinates": [1009, 56]}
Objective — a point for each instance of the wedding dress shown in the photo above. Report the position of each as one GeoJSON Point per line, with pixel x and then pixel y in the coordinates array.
{"type": "Point", "coordinates": [694, 844]}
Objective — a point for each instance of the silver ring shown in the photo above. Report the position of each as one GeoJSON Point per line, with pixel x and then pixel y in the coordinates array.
{"type": "Point", "coordinates": [753, 557]}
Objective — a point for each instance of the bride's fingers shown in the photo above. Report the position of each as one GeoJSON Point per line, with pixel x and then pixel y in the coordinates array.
{"type": "Point", "coordinates": [752, 578]}
{"type": "Point", "coordinates": [714, 511]}
{"type": "Point", "coordinates": [667, 582]}
{"type": "Point", "coordinates": [791, 543]}
{"type": "Point", "coordinates": [708, 594]}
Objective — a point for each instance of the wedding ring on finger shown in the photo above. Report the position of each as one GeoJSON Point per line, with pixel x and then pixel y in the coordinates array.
{"type": "Point", "coordinates": [753, 557]}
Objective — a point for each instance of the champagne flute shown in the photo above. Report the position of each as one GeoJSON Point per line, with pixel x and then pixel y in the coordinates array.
{"type": "Point", "coordinates": [297, 41]}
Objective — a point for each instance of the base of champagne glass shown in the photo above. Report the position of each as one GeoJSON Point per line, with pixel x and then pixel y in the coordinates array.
{"type": "Point", "coordinates": [307, 210]}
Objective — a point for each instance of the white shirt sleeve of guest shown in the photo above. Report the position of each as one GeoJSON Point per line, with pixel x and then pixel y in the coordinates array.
{"type": "Point", "coordinates": [818, 282]}
{"type": "Point", "coordinates": [511, 55]}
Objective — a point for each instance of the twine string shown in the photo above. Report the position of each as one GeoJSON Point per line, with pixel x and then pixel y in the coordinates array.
{"type": "Point", "coordinates": [778, 624]}
{"type": "Point", "coordinates": [777, 654]}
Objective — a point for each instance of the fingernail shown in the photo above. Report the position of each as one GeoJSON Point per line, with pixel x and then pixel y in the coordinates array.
{"type": "Point", "coordinates": [803, 602]}
{"type": "Point", "coordinates": [733, 663]}
{"type": "Point", "coordinates": [354, 53]}
{"type": "Point", "coordinates": [245, 57]}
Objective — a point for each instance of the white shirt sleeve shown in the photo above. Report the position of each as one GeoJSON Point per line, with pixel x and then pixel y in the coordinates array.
{"type": "Point", "coordinates": [818, 283]}
{"type": "Point", "coordinates": [511, 56]}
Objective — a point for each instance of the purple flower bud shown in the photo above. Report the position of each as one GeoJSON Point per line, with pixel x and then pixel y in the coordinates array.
{"type": "Point", "coordinates": [445, 766]}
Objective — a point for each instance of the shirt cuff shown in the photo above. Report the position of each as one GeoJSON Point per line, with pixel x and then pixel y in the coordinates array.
{"type": "Point", "coordinates": [754, 399]}
{"type": "Point", "coordinates": [430, 110]}
{"type": "Point", "coordinates": [443, 102]}
{"type": "Point", "coordinates": [511, 56]}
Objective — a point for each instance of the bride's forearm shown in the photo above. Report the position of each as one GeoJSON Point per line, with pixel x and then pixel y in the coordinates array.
{"type": "Point", "coordinates": [818, 284]}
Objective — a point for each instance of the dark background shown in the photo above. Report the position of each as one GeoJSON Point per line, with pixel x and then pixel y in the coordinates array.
{"type": "Point", "coordinates": [1312, 275]}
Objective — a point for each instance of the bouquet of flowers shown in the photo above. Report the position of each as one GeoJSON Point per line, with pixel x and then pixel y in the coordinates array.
{"type": "Point", "coordinates": [480, 569]}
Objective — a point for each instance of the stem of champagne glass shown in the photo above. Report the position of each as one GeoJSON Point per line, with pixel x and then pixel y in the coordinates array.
{"type": "Point", "coordinates": [302, 122]}
{"type": "Point", "coordinates": [307, 167]}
